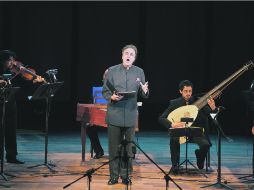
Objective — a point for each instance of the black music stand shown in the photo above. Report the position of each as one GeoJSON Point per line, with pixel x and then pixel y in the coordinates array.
{"type": "Point", "coordinates": [188, 132]}
{"type": "Point", "coordinates": [5, 95]}
{"type": "Point", "coordinates": [47, 92]}
{"type": "Point", "coordinates": [248, 96]}
{"type": "Point", "coordinates": [220, 132]}
{"type": "Point", "coordinates": [251, 176]}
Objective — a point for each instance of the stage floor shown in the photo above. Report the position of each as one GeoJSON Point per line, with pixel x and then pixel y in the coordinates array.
{"type": "Point", "coordinates": [64, 150]}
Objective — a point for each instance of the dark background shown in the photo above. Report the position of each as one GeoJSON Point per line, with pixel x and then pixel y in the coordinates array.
{"type": "Point", "coordinates": [204, 42]}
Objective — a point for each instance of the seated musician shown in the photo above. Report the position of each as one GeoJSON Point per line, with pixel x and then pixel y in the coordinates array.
{"type": "Point", "coordinates": [185, 89]}
{"type": "Point", "coordinates": [92, 133]}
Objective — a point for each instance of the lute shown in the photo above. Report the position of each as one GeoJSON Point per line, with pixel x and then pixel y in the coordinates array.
{"type": "Point", "coordinates": [191, 111]}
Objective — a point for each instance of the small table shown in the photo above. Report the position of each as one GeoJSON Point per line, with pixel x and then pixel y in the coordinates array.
{"type": "Point", "coordinates": [90, 115]}
{"type": "Point", "coordinates": [94, 115]}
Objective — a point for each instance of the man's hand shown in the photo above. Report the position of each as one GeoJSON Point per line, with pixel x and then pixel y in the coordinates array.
{"type": "Point", "coordinates": [3, 83]}
{"type": "Point", "coordinates": [178, 124]}
{"type": "Point", "coordinates": [38, 79]}
{"type": "Point", "coordinates": [144, 87]}
{"type": "Point", "coordinates": [211, 103]}
{"type": "Point", "coordinates": [116, 97]}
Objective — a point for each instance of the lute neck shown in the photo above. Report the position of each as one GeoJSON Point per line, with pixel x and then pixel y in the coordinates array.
{"type": "Point", "coordinates": [217, 90]}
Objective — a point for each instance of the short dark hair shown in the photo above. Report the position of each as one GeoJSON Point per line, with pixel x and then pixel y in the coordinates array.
{"type": "Point", "coordinates": [132, 47]}
{"type": "Point", "coordinates": [184, 83]}
{"type": "Point", "coordinates": [5, 55]}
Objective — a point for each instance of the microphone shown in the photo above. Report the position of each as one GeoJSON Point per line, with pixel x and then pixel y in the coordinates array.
{"type": "Point", "coordinates": [52, 71]}
{"type": "Point", "coordinates": [52, 74]}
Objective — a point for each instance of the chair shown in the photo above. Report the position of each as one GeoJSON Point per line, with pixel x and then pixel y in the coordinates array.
{"type": "Point", "coordinates": [97, 95]}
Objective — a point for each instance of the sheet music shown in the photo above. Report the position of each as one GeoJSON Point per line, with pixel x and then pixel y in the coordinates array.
{"type": "Point", "coordinates": [127, 94]}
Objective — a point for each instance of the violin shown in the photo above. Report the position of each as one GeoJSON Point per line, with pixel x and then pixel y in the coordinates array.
{"type": "Point", "coordinates": [18, 68]}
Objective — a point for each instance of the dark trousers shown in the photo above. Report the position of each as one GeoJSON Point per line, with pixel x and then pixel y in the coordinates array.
{"type": "Point", "coordinates": [202, 142]}
{"type": "Point", "coordinates": [10, 129]}
{"type": "Point", "coordinates": [92, 133]}
{"type": "Point", "coordinates": [118, 167]}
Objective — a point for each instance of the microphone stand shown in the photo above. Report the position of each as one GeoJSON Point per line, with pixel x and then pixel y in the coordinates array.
{"type": "Point", "coordinates": [220, 132]}
{"type": "Point", "coordinates": [166, 177]}
{"type": "Point", "coordinates": [125, 159]}
{"type": "Point", "coordinates": [88, 173]}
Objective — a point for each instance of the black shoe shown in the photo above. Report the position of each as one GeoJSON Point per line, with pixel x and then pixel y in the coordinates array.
{"type": "Point", "coordinates": [112, 181]}
{"type": "Point", "coordinates": [200, 161]}
{"type": "Point", "coordinates": [126, 181]}
{"type": "Point", "coordinates": [15, 161]}
{"type": "Point", "coordinates": [98, 155]}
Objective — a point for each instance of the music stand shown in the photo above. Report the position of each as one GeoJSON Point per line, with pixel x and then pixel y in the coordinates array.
{"type": "Point", "coordinates": [219, 184]}
{"type": "Point", "coordinates": [189, 131]}
{"type": "Point", "coordinates": [5, 95]}
{"type": "Point", "coordinates": [47, 92]}
{"type": "Point", "coordinates": [248, 96]}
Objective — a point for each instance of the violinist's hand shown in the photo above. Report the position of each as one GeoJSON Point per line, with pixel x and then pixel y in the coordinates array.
{"type": "Point", "coordinates": [38, 79]}
{"type": "Point", "coordinates": [116, 97]}
{"type": "Point", "coordinates": [178, 124]}
{"type": "Point", "coordinates": [3, 83]}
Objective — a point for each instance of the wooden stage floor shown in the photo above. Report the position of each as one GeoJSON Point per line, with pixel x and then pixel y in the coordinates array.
{"type": "Point", "coordinates": [65, 152]}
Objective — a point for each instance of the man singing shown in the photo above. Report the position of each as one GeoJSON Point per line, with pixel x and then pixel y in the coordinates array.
{"type": "Point", "coordinates": [122, 111]}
